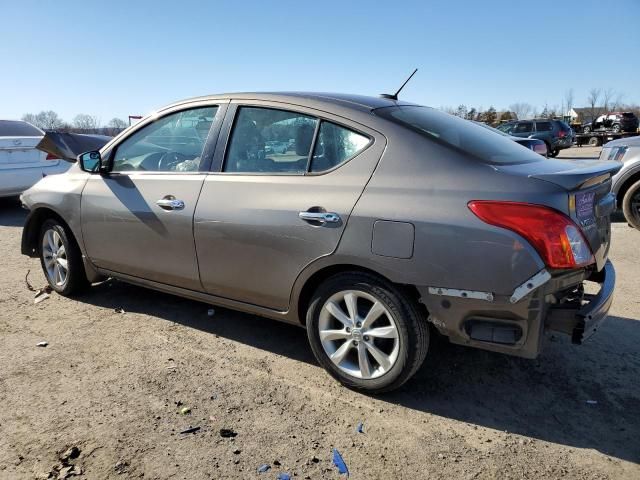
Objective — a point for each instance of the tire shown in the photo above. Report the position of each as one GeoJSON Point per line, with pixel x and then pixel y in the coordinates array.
{"type": "Point", "coordinates": [631, 205]}
{"type": "Point", "coordinates": [594, 142]}
{"type": "Point", "coordinates": [403, 347]}
{"type": "Point", "coordinates": [57, 243]}
{"type": "Point", "coordinates": [553, 153]}
{"type": "Point", "coordinates": [586, 130]}
{"type": "Point", "coordinates": [617, 128]}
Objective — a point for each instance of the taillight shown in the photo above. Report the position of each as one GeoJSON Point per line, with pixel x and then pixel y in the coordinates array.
{"type": "Point", "coordinates": [51, 156]}
{"type": "Point", "coordinates": [540, 148]}
{"type": "Point", "coordinates": [562, 134]}
{"type": "Point", "coordinates": [554, 235]}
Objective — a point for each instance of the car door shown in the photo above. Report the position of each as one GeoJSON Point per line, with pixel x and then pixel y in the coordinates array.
{"type": "Point", "coordinates": [137, 220]}
{"type": "Point", "coordinates": [264, 216]}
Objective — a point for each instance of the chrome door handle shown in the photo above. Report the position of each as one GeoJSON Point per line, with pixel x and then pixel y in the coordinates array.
{"type": "Point", "coordinates": [170, 204]}
{"type": "Point", "coordinates": [320, 217]}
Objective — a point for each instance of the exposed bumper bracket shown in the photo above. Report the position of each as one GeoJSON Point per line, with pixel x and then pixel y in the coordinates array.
{"type": "Point", "coordinates": [530, 285]}
{"type": "Point", "coordinates": [453, 292]}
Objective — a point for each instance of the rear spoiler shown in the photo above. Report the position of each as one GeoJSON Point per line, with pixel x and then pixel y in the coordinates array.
{"type": "Point", "coordinates": [69, 145]}
{"type": "Point", "coordinates": [583, 174]}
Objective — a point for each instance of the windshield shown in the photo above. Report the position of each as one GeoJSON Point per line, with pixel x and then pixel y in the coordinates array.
{"type": "Point", "coordinates": [462, 135]}
{"type": "Point", "coordinates": [499, 132]}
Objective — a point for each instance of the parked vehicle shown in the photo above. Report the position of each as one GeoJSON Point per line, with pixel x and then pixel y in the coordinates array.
{"type": "Point", "coordinates": [555, 133]}
{"type": "Point", "coordinates": [379, 229]}
{"type": "Point", "coordinates": [534, 144]}
{"type": "Point", "coordinates": [21, 164]}
{"type": "Point", "coordinates": [597, 138]}
{"type": "Point", "coordinates": [615, 121]}
{"type": "Point", "coordinates": [626, 183]}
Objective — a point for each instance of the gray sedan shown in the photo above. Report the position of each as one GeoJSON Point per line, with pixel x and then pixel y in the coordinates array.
{"type": "Point", "coordinates": [384, 223]}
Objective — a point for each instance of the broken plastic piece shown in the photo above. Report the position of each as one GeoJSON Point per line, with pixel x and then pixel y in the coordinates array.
{"type": "Point", "coordinates": [185, 411]}
{"type": "Point", "coordinates": [339, 462]}
{"type": "Point", "coordinates": [283, 476]}
{"type": "Point", "coordinates": [265, 467]}
{"type": "Point", "coordinates": [42, 344]}
{"type": "Point", "coordinates": [190, 430]}
{"type": "Point", "coordinates": [119, 310]}
{"type": "Point", "coordinates": [360, 428]}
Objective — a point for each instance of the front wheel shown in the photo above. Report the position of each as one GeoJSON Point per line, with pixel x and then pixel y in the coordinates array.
{"type": "Point", "coordinates": [61, 259]}
{"type": "Point", "coordinates": [631, 205]}
{"type": "Point", "coordinates": [554, 152]}
{"type": "Point", "coordinates": [617, 128]}
{"type": "Point", "coordinates": [368, 334]}
{"type": "Point", "coordinates": [586, 130]}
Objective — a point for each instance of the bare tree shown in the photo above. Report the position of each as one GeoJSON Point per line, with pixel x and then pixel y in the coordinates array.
{"type": "Point", "coordinates": [85, 122]}
{"type": "Point", "coordinates": [116, 125]}
{"type": "Point", "coordinates": [48, 120]}
{"type": "Point", "coordinates": [607, 98]}
{"type": "Point", "coordinates": [568, 99]}
{"type": "Point", "coordinates": [461, 111]}
{"type": "Point", "coordinates": [592, 100]}
{"type": "Point", "coordinates": [521, 109]}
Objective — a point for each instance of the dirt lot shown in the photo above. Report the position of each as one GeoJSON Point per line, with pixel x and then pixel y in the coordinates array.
{"type": "Point", "coordinates": [114, 384]}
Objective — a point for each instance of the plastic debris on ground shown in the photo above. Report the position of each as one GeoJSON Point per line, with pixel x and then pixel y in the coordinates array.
{"type": "Point", "coordinates": [119, 310]}
{"type": "Point", "coordinates": [190, 430]}
{"type": "Point", "coordinates": [42, 295]}
{"type": "Point", "coordinates": [339, 463]}
{"type": "Point", "coordinates": [42, 344]}
{"type": "Point", "coordinates": [265, 467]}
{"type": "Point", "coordinates": [185, 411]}
{"type": "Point", "coordinates": [283, 476]}
{"type": "Point", "coordinates": [360, 428]}
{"type": "Point", "coordinates": [227, 433]}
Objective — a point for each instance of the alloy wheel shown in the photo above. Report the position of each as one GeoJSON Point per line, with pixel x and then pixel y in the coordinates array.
{"type": "Point", "coordinates": [358, 334]}
{"type": "Point", "coordinates": [54, 255]}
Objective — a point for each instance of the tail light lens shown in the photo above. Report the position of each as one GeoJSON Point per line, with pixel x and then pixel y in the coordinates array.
{"type": "Point", "coordinates": [554, 235]}
{"type": "Point", "coordinates": [562, 134]}
{"type": "Point", "coordinates": [50, 156]}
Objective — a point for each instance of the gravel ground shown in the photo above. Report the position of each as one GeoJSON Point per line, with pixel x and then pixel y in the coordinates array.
{"type": "Point", "coordinates": [114, 385]}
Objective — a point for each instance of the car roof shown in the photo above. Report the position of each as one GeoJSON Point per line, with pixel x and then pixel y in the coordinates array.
{"type": "Point", "coordinates": [622, 142]}
{"type": "Point", "coordinates": [312, 99]}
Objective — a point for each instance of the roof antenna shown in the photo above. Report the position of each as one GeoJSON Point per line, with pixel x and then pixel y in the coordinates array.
{"type": "Point", "coordinates": [395, 95]}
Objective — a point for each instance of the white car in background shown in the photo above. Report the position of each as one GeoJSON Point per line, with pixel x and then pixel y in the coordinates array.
{"type": "Point", "coordinates": [21, 164]}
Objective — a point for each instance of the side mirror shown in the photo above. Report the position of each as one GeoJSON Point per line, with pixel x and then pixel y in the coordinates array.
{"type": "Point", "coordinates": [92, 162]}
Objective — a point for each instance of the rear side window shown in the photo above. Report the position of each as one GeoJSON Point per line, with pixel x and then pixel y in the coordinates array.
{"type": "Point", "coordinates": [15, 128]}
{"type": "Point", "coordinates": [544, 126]}
{"type": "Point", "coordinates": [523, 127]}
{"type": "Point", "coordinates": [266, 140]}
{"type": "Point", "coordinates": [335, 145]}
{"type": "Point", "coordinates": [461, 135]}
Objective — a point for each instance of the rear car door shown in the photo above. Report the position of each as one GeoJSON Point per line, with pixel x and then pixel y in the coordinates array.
{"type": "Point", "coordinates": [137, 220]}
{"type": "Point", "coordinates": [267, 213]}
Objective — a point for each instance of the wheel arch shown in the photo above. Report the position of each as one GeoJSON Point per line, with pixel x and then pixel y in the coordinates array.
{"type": "Point", "coordinates": [32, 227]}
{"type": "Point", "coordinates": [322, 274]}
{"type": "Point", "coordinates": [626, 184]}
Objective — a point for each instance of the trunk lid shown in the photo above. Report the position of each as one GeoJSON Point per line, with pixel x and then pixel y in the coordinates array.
{"type": "Point", "coordinates": [589, 201]}
{"type": "Point", "coordinates": [20, 152]}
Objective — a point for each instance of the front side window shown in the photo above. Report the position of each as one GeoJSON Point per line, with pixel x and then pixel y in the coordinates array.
{"type": "Point", "coordinates": [173, 143]}
{"type": "Point", "coordinates": [461, 135]}
{"type": "Point", "coordinates": [335, 145]}
{"type": "Point", "coordinates": [266, 140]}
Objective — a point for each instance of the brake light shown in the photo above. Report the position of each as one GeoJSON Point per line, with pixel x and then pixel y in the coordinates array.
{"type": "Point", "coordinates": [51, 156]}
{"type": "Point", "coordinates": [554, 235]}
{"type": "Point", "coordinates": [562, 134]}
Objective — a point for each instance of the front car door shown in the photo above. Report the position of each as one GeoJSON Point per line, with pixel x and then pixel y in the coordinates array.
{"type": "Point", "coordinates": [137, 220]}
{"type": "Point", "coordinates": [287, 180]}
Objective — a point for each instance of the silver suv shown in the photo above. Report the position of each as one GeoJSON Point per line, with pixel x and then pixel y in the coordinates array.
{"type": "Point", "coordinates": [379, 224]}
{"type": "Point", "coordinates": [626, 183]}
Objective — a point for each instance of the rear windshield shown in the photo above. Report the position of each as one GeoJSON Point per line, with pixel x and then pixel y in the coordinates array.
{"type": "Point", "coordinates": [462, 135]}
{"type": "Point", "coordinates": [16, 128]}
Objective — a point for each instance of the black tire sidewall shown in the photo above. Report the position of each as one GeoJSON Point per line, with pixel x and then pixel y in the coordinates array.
{"type": "Point", "coordinates": [396, 305]}
{"type": "Point", "coordinates": [629, 214]}
{"type": "Point", "coordinates": [76, 278]}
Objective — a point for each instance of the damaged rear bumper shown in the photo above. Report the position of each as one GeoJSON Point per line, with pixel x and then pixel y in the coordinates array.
{"type": "Point", "coordinates": [581, 320]}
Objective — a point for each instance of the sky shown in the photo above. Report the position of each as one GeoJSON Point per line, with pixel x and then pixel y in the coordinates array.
{"type": "Point", "coordinates": [119, 58]}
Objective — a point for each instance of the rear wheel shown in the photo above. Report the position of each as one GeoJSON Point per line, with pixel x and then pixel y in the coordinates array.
{"type": "Point", "coordinates": [617, 128]}
{"type": "Point", "coordinates": [586, 130]}
{"type": "Point", "coordinates": [61, 258]}
{"type": "Point", "coordinates": [554, 152]}
{"type": "Point", "coordinates": [594, 141]}
{"type": "Point", "coordinates": [631, 205]}
{"type": "Point", "coordinates": [366, 333]}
